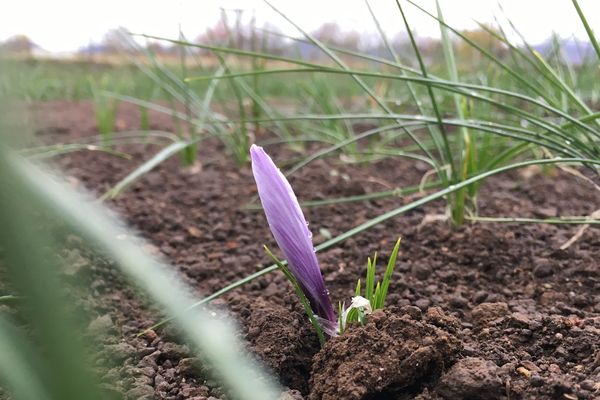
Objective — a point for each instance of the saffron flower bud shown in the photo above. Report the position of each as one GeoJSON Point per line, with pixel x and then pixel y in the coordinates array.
{"type": "Point", "coordinates": [290, 229]}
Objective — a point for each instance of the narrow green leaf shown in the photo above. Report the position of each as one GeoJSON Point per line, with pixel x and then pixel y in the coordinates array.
{"type": "Point", "coordinates": [444, 147]}
{"type": "Point", "coordinates": [370, 281]}
{"type": "Point", "coordinates": [515, 74]}
{"type": "Point", "coordinates": [389, 271]}
{"type": "Point", "coordinates": [376, 296]}
{"type": "Point", "coordinates": [574, 220]}
{"type": "Point", "coordinates": [562, 84]}
{"type": "Point", "coordinates": [212, 336]}
{"type": "Point", "coordinates": [19, 364]}
{"type": "Point", "coordinates": [143, 169]}
{"type": "Point", "coordinates": [356, 78]}
{"type": "Point", "coordinates": [588, 28]}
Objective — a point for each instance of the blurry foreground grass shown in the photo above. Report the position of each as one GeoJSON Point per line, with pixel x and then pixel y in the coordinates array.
{"type": "Point", "coordinates": [43, 355]}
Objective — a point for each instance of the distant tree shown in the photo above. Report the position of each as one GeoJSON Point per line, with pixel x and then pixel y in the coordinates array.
{"type": "Point", "coordinates": [161, 49]}
{"type": "Point", "coordinates": [243, 34]}
{"type": "Point", "coordinates": [112, 41]}
{"type": "Point", "coordinates": [18, 44]}
{"type": "Point", "coordinates": [483, 39]}
{"type": "Point", "coordinates": [332, 34]}
{"type": "Point", "coordinates": [218, 33]}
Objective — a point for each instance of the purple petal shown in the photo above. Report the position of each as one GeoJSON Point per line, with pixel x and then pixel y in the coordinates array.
{"type": "Point", "coordinates": [290, 229]}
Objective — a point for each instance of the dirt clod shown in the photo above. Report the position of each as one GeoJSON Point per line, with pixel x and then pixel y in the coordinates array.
{"type": "Point", "coordinates": [485, 313]}
{"type": "Point", "coordinates": [470, 379]}
{"type": "Point", "coordinates": [391, 353]}
{"type": "Point", "coordinates": [284, 341]}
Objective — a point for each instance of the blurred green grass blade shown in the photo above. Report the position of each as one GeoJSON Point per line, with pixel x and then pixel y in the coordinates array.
{"type": "Point", "coordinates": [282, 129]}
{"type": "Point", "coordinates": [229, 50]}
{"type": "Point", "coordinates": [449, 58]}
{"type": "Point", "coordinates": [561, 83]}
{"type": "Point", "coordinates": [94, 144]}
{"type": "Point", "coordinates": [468, 90]}
{"type": "Point", "coordinates": [443, 148]}
{"type": "Point", "coordinates": [33, 269]}
{"type": "Point", "coordinates": [515, 50]}
{"type": "Point", "coordinates": [9, 298]}
{"type": "Point", "coordinates": [19, 365]}
{"type": "Point", "coordinates": [575, 220]}
{"type": "Point", "coordinates": [401, 191]}
{"type": "Point", "coordinates": [71, 148]}
{"type": "Point", "coordinates": [466, 154]}
{"type": "Point", "coordinates": [587, 118]}
{"type": "Point", "coordinates": [214, 337]}
{"type": "Point", "coordinates": [514, 132]}
{"type": "Point", "coordinates": [146, 167]}
{"type": "Point", "coordinates": [353, 139]}
{"type": "Point", "coordinates": [509, 154]}
{"type": "Point", "coordinates": [357, 289]}
{"type": "Point", "coordinates": [396, 153]}
{"type": "Point", "coordinates": [491, 57]}
{"type": "Point", "coordinates": [411, 90]}
{"type": "Point", "coordinates": [177, 114]}
{"type": "Point", "coordinates": [243, 74]}
{"type": "Point", "coordinates": [356, 78]}
{"type": "Point", "coordinates": [238, 140]}
{"type": "Point", "coordinates": [357, 54]}
{"type": "Point", "coordinates": [149, 105]}
{"type": "Point", "coordinates": [588, 28]}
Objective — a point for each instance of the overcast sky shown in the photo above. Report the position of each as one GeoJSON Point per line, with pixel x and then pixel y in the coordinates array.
{"type": "Point", "coordinates": [66, 25]}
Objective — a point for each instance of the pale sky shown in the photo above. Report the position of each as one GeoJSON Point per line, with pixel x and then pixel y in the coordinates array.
{"type": "Point", "coordinates": [66, 25]}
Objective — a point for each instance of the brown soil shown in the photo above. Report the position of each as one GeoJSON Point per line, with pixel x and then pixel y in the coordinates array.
{"type": "Point", "coordinates": [486, 311]}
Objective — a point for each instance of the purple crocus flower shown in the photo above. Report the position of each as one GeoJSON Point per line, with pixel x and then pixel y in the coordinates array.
{"type": "Point", "coordinates": [290, 229]}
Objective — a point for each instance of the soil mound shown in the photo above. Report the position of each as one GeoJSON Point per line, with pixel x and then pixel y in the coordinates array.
{"type": "Point", "coordinates": [393, 352]}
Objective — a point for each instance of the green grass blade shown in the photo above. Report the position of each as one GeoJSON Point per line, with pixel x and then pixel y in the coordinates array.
{"type": "Point", "coordinates": [357, 290]}
{"type": "Point", "coordinates": [563, 147]}
{"type": "Point", "coordinates": [403, 191]}
{"type": "Point", "coordinates": [490, 56]}
{"type": "Point", "coordinates": [466, 153]}
{"type": "Point", "coordinates": [561, 83]}
{"type": "Point", "coordinates": [370, 279]}
{"type": "Point", "coordinates": [588, 28]}
{"type": "Point", "coordinates": [376, 296]}
{"type": "Point", "coordinates": [516, 50]}
{"type": "Point", "coordinates": [28, 253]}
{"type": "Point", "coordinates": [356, 78]}
{"type": "Point", "coordinates": [212, 336]}
{"type": "Point", "coordinates": [19, 365]}
{"type": "Point", "coordinates": [394, 54]}
{"type": "Point", "coordinates": [444, 148]}
{"type": "Point", "coordinates": [575, 220]}
{"type": "Point", "coordinates": [467, 90]}
{"type": "Point", "coordinates": [346, 142]}
{"type": "Point", "coordinates": [143, 169]}
{"type": "Point", "coordinates": [239, 144]}
{"type": "Point", "coordinates": [389, 271]}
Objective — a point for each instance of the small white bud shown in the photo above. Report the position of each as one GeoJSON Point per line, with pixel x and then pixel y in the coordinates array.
{"type": "Point", "coordinates": [359, 301]}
